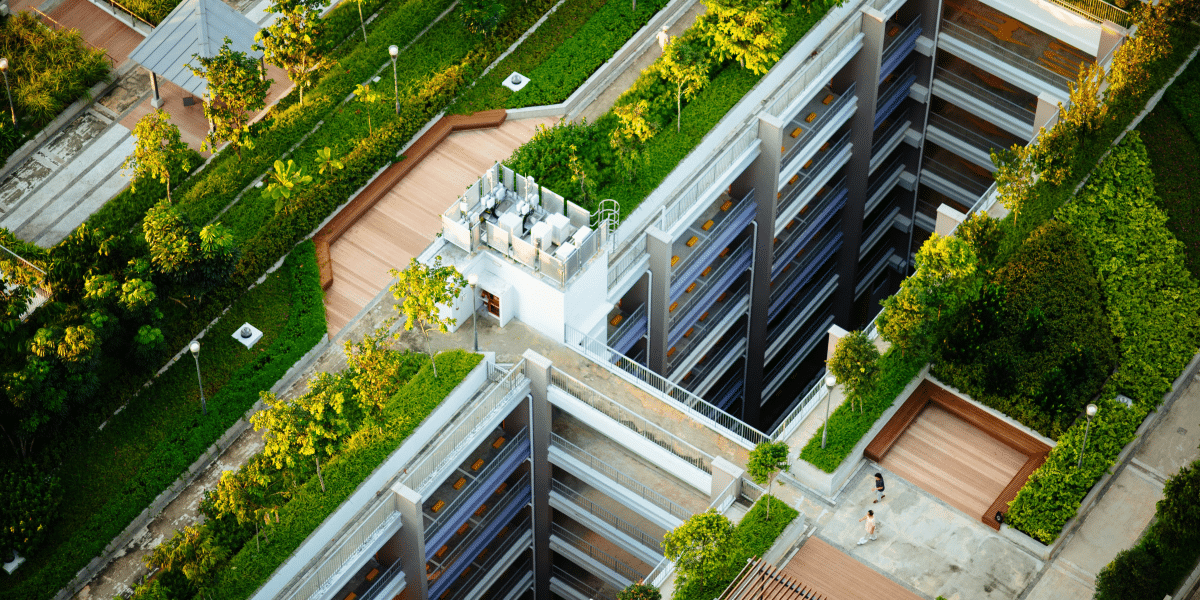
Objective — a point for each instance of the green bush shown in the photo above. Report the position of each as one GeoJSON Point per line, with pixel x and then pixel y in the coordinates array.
{"type": "Point", "coordinates": [752, 537]}
{"type": "Point", "coordinates": [362, 454]}
{"type": "Point", "coordinates": [27, 503]}
{"type": "Point", "coordinates": [110, 476]}
{"type": "Point", "coordinates": [1151, 304]}
{"type": "Point", "coordinates": [847, 427]}
{"type": "Point", "coordinates": [125, 210]}
{"type": "Point", "coordinates": [1036, 345]}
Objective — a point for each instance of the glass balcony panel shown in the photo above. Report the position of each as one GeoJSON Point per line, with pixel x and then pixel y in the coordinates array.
{"type": "Point", "coordinates": [812, 118]}
{"type": "Point", "coordinates": [986, 87]}
{"type": "Point", "coordinates": [819, 172]}
{"type": "Point", "coordinates": [893, 90]}
{"type": "Point", "coordinates": [900, 41]}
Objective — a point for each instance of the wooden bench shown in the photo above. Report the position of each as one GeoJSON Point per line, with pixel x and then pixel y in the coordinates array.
{"type": "Point", "coordinates": [1000, 505]}
{"type": "Point", "coordinates": [905, 415]}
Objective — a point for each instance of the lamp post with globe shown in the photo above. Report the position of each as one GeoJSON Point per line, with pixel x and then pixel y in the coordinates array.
{"type": "Point", "coordinates": [1091, 412]}
{"type": "Point", "coordinates": [830, 381]}
{"type": "Point", "coordinates": [473, 279]}
{"type": "Point", "coordinates": [12, 111]}
{"type": "Point", "coordinates": [394, 51]}
{"type": "Point", "coordinates": [195, 348]}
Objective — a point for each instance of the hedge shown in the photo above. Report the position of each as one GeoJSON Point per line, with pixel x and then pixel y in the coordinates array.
{"type": "Point", "coordinates": [1152, 303]}
{"type": "Point", "coordinates": [110, 476]}
{"type": "Point", "coordinates": [752, 537]}
{"type": "Point", "coordinates": [1175, 154]}
{"type": "Point", "coordinates": [363, 453]}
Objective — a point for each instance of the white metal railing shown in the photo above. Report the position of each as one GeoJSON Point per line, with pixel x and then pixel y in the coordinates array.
{"type": "Point", "coordinates": [813, 71]}
{"type": "Point", "coordinates": [694, 406]}
{"type": "Point", "coordinates": [451, 446]}
{"type": "Point", "coordinates": [900, 40]}
{"type": "Point", "coordinates": [518, 443]}
{"type": "Point", "coordinates": [595, 553]}
{"type": "Point", "coordinates": [1097, 10]}
{"type": "Point", "coordinates": [633, 254]}
{"type": "Point", "coordinates": [581, 587]}
{"type": "Point", "coordinates": [631, 420]}
{"type": "Point", "coordinates": [585, 503]}
{"type": "Point", "coordinates": [726, 498]}
{"type": "Point", "coordinates": [625, 481]}
{"type": "Point", "coordinates": [1003, 53]}
{"type": "Point", "coordinates": [848, 96]}
{"type": "Point", "coordinates": [365, 531]}
{"type": "Point", "coordinates": [803, 408]}
{"type": "Point", "coordinates": [686, 200]}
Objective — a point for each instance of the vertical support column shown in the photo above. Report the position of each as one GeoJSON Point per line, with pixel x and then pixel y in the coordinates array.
{"type": "Point", "coordinates": [412, 542]}
{"type": "Point", "coordinates": [537, 369]}
{"type": "Point", "coordinates": [724, 473]}
{"type": "Point", "coordinates": [1045, 116]}
{"type": "Point", "coordinates": [947, 220]}
{"type": "Point", "coordinates": [865, 72]}
{"type": "Point", "coordinates": [658, 246]}
{"type": "Point", "coordinates": [764, 177]}
{"type": "Point", "coordinates": [835, 335]}
{"type": "Point", "coordinates": [156, 101]}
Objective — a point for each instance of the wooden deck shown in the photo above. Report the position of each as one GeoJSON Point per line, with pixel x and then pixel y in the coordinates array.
{"type": "Point", "coordinates": [407, 217]}
{"type": "Point", "coordinates": [951, 448]}
{"type": "Point", "coordinates": [835, 575]}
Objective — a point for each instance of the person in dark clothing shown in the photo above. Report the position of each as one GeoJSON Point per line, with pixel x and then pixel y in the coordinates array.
{"type": "Point", "coordinates": [878, 487]}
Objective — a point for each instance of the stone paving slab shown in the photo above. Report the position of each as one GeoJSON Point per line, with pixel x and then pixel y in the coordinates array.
{"type": "Point", "coordinates": [1058, 584]}
{"type": "Point", "coordinates": [104, 170]}
{"type": "Point", "coordinates": [1116, 522]}
{"type": "Point", "coordinates": [1176, 437]}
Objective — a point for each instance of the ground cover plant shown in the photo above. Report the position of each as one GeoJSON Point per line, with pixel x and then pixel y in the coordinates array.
{"type": "Point", "coordinates": [376, 421]}
{"type": "Point", "coordinates": [562, 156]}
{"type": "Point", "coordinates": [48, 70]}
{"type": "Point", "coordinates": [115, 471]}
{"type": "Point", "coordinates": [713, 551]}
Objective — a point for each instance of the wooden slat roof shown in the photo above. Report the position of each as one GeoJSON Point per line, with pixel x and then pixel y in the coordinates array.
{"type": "Point", "coordinates": [760, 581]}
{"type": "Point", "coordinates": [195, 27]}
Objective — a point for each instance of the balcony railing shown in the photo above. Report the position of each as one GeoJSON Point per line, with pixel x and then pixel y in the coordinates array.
{"type": "Point", "coordinates": [633, 255]}
{"type": "Point", "coordinates": [817, 172]}
{"type": "Point", "coordinates": [894, 93]}
{"type": "Point", "coordinates": [516, 574]}
{"type": "Point", "coordinates": [365, 530]}
{"type": "Point", "coordinates": [1004, 54]}
{"type": "Point", "coordinates": [465, 585]}
{"type": "Point", "coordinates": [632, 329]}
{"type": "Point", "coordinates": [450, 512]}
{"type": "Point", "coordinates": [690, 197]}
{"type": "Point", "coordinates": [804, 407]}
{"type": "Point", "coordinates": [625, 527]}
{"type": "Point", "coordinates": [796, 352]}
{"type": "Point", "coordinates": [595, 553]}
{"type": "Point", "coordinates": [979, 139]}
{"type": "Point", "coordinates": [619, 477]}
{"type": "Point", "coordinates": [707, 288]}
{"type": "Point", "coordinates": [737, 301]}
{"type": "Point", "coordinates": [987, 96]}
{"type": "Point", "coordinates": [633, 421]}
{"type": "Point", "coordinates": [798, 305]}
{"type": "Point", "coordinates": [451, 446]}
{"type": "Point", "coordinates": [815, 70]}
{"type": "Point", "coordinates": [381, 582]}
{"type": "Point", "coordinates": [804, 232]}
{"type": "Point", "coordinates": [716, 419]}
{"type": "Point", "coordinates": [834, 109]}
{"type": "Point", "coordinates": [899, 47]}
{"type": "Point", "coordinates": [972, 186]}
{"type": "Point", "coordinates": [492, 531]}
{"type": "Point", "coordinates": [1098, 10]}
{"type": "Point", "coordinates": [578, 584]}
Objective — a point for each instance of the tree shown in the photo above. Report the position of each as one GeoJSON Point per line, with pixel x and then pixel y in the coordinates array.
{"type": "Point", "coordinates": [363, 93]}
{"type": "Point", "coordinates": [376, 370]}
{"type": "Point", "coordinates": [284, 180]}
{"type": "Point", "coordinates": [1086, 109]}
{"type": "Point", "coordinates": [482, 16]}
{"type": "Point", "coordinates": [192, 551]}
{"type": "Point", "coordinates": [312, 425]}
{"type": "Point", "coordinates": [198, 260]}
{"type": "Point", "coordinates": [28, 499]}
{"type": "Point", "coordinates": [1178, 513]}
{"type": "Point", "coordinates": [629, 138]}
{"type": "Point", "coordinates": [157, 148]}
{"type": "Point", "coordinates": [855, 364]}
{"type": "Point", "coordinates": [245, 495]}
{"type": "Point", "coordinates": [290, 41]}
{"type": "Point", "coordinates": [766, 460]}
{"type": "Point", "coordinates": [639, 591]}
{"type": "Point", "coordinates": [685, 63]}
{"type": "Point", "coordinates": [702, 540]}
{"type": "Point", "coordinates": [1129, 76]}
{"type": "Point", "coordinates": [235, 87]}
{"type": "Point", "coordinates": [1016, 174]}
{"type": "Point", "coordinates": [946, 279]}
{"type": "Point", "coordinates": [421, 288]}
{"type": "Point", "coordinates": [749, 31]}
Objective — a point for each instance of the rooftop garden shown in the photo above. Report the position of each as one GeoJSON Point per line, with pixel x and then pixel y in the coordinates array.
{"type": "Point", "coordinates": [48, 70]}
{"type": "Point", "coordinates": [1074, 297]}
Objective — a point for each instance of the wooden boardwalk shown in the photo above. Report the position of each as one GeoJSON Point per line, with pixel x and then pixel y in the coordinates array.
{"type": "Point", "coordinates": [403, 223]}
{"type": "Point", "coordinates": [837, 576]}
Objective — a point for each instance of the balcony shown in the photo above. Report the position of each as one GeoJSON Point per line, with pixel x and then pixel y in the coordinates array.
{"type": "Point", "coordinates": [876, 227]}
{"type": "Point", "coordinates": [898, 45]}
{"type": "Point", "coordinates": [625, 329]}
{"type": "Point", "coordinates": [791, 236]}
{"type": "Point", "coordinates": [646, 547]}
{"type": "Point", "coordinates": [801, 309]}
{"type": "Point", "coordinates": [953, 176]}
{"type": "Point", "coordinates": [878, 261]}
{"type": "Point", "coordinates": [701, 243]}
{"type": "Point", "coordinates": [716, 362]}
{"type": "Point", "coordinates": [468, 488]}
{"type": "Point", "coordinates": [714, 282]}
{"type": "Point", "coordinates": [985, 95]}
{"type": "Point", "coordinates": [1000, 44]}
{"type": "Point", "coordinates": [614, 571]}
{"type": "Point", "coordinates": [800, 270]}
{"type": "Point", "coordinates": [883, 184]}
{"type": "Point", "coordinates": [969, 136]}
{"type": "Point", "coordinates": [892, 91]}
{"type": "Point", "coordinates": [798, 348]}
{"type": "Point", "coordinates": [887, 139]}
{"type": "Point", "coordinates": [513, 583]}
{"type": "Point", "coordinates": [566, 585]}
{"type": "Point", "coordinates": [815, 123]}
{"type": "Point", "coordinates": [799, 189]}
{"type": "Point", "coordinates": [447, 564]}
{"type": "Point", "coordinates": [707, 330]}
{"type": "Point", "coordinates": [487, 568]}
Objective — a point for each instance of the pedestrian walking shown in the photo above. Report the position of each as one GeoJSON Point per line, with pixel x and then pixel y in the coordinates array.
{"type": "Point", "coordinates": [870, 536]}
{"type": "Point", "coordinates": [878, 488]}
{"type": "Point", "coordinates": [664, 38]}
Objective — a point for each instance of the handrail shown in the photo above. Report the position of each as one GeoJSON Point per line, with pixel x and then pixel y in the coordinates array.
{"type": "Point", "coordinates": [603, 514]}
{"type": "Point", "coordinates": [951, 174]}
{"type": "Point", "coordinates": [620, 478]}
{"type": "Point", "coordinates": [989, 97]}
{"type": "Point", "coordinates": [984, 44]}
{"type": "Point", "coordinates": [469, 583]}
{"type": "Point", "coordinates": [836, 148]}
{"type": "Point", "coordinates": [381, 582]}
{"type": "Point", "coordinates": [847, 96]}
{"type": "Point", "coordinates": [518, 443]}
{"type": "Point", "coordinates": [115, 5]}
{"type": "Point", "coordinates": [576, 583]}
{"type": "Point", "coordinates": [1097, 10]}
{"type": "Point", "coordinates": [714, 277]}
{"type": "Point", "coordinates": [448, 450]}
{"type": "Point", "coordinates": [803, 408]}
{"type": "Point", "coordinates": [675, 210]}
{"type": "Point", "coordinates": [814, 67]}
{"type": "Point", "coordinates": [976, 138]}
{"type": "Point", "coordinates": [899, 39]}
{"type": "Point", "coordinates": [365, 530]}
{"type": "Point", "coordinates": [603, 557]}
{"type": "Point", "coordinates": [632, 255]}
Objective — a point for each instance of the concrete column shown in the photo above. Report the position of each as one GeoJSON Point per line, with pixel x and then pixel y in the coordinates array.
{"type": "Point", "coordinates": [658, 246]}
{"type": "Point", "coordinates": [412, 542]}
{"type": "Point", "coordinates": [1111, 34]}
{"type": "Point", "coordinates": [947, 220]}
{"type": "Point", "coordinates": [764, 177]}
{"type": "Point", "coordinates": [1045, 115]}
{"type": "Point", "coordinates": [863, 69]}
{"type": "Point", "coordinates": [724, 472]}
{"type": "Point", "coordinates": [835, 335]}
{"type": "Point", "coordinates": [537, 368]}
{"type": "Point", "coordinates": [157, 100]}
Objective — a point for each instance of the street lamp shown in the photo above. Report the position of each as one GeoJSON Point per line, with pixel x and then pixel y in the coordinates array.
{"type": "Point", "coordinates": [394, 51]}
{"type": "Point", "coordinates": [195, 348]}
{"type": "Point", "coordinates": [11, 110]}
{"type": "Point", "coordinates": [1091, 412]}
{"type": "Point", "coordinates": [473, 279]}
{"type": "Point", "coordinates": [830, 381]}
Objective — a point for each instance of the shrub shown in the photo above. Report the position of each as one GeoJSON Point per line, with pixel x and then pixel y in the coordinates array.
{"type": "Point", "coordinates": [855, 364]}
{"type": "Point", "coordinates": [752, 537]}
{"type": "Point", "coordinates": [638, 591]}
{"type": "Point", "coordinates": [1132, 575]}
{"type": "Point", "coordinates": [28, 499]}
